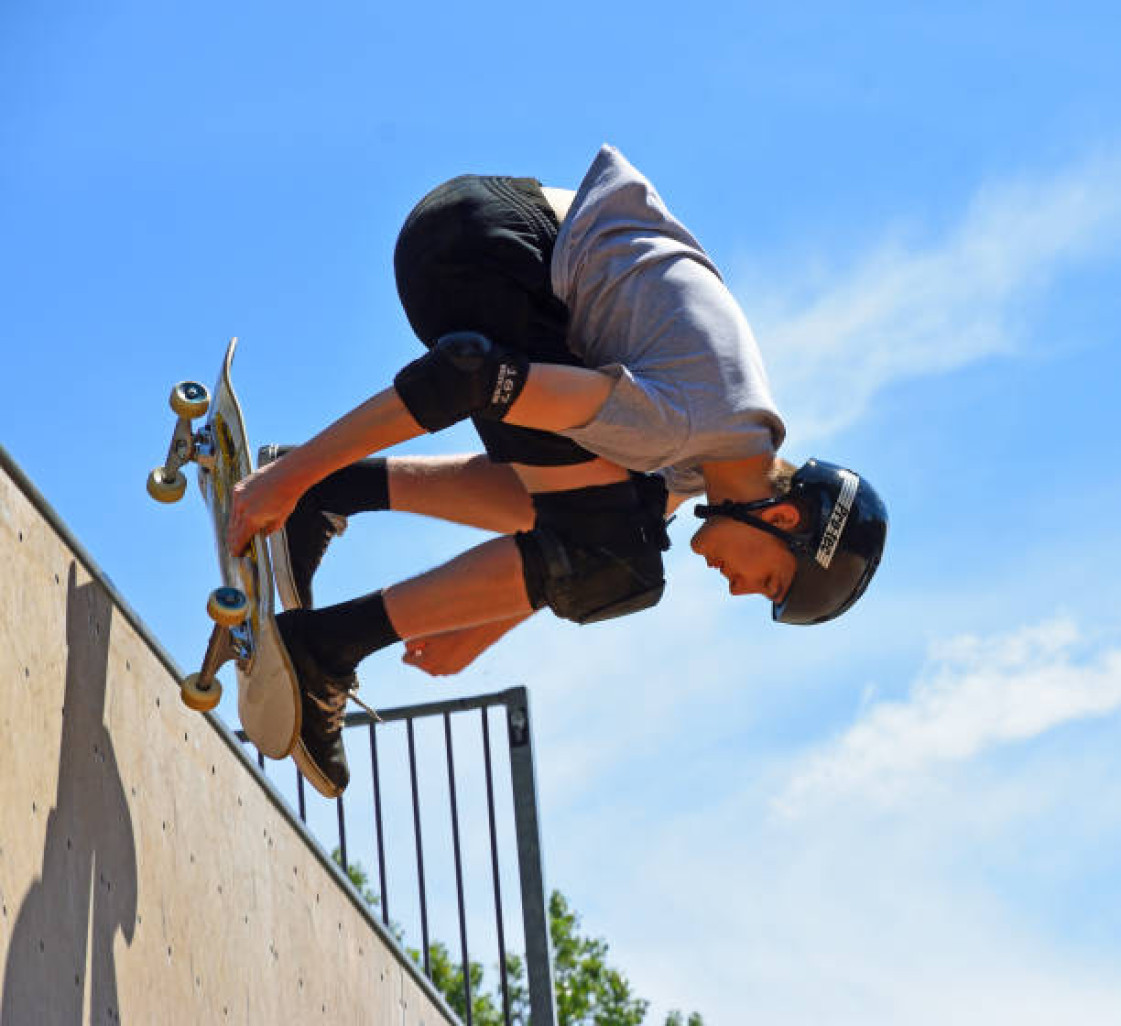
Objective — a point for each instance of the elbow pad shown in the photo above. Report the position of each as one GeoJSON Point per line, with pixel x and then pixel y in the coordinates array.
{"type": "Point", "coordinates": [463, 375]}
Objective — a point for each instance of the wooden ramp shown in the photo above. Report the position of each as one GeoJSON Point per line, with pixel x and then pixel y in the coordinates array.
{"type": "Point", "coordinates": [148, 874]}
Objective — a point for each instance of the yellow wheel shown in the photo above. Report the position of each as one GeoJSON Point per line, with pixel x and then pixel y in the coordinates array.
{"type": "Point", "coordinates": [228, 606]}
{"type": "Point", "coordinates": [165, 489]}
{"type": "Point", "coordinates": [190, 399]}
{"type": "Point", "coordinates": [198, 696]}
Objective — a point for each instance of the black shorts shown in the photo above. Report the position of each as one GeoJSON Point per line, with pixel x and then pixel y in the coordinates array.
{"type": "Point", "coordinates": [474, 255]}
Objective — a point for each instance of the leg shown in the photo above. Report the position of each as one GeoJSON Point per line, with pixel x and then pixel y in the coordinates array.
{"type": "Point", "coordinates": [476, 491]}
{"type": "Point", "coordinates": [467, 490]}
{"type": "Point", "coordinates": [475, 598]}
{"type": "Point", "coordinates": [470, 489]}
{"type": "Point", "coordinates": [480, 586]}
{"type": "Point", "coordinates": [483, 586]}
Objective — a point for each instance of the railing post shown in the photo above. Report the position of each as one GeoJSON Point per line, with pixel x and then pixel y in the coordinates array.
{"type": "Point", "coordinates": [527, 829]}
{"type": "Point", "coordinates": [535, 912]}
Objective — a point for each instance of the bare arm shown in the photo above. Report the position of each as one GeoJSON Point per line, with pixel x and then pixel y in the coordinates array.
{"type": "Point", "coordinates": [264, 500]}
{"type": "Point", "coordinates": [556, 397]}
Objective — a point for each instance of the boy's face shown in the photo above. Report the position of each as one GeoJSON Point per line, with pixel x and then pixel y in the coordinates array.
{"type": "Point", "coordinates": [753, 561]}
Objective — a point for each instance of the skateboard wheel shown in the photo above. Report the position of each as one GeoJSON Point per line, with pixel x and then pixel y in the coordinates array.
{"type": "Point", "coordinates": [166, 489]}
{"type": "Point", "coordinates": [199, 696]}
{"type": "Point", "coordinates": [227, 607]}
{"type": "Point", "coordinates": [190, 399]}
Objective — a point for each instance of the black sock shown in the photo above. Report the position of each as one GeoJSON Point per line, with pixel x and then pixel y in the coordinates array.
{"type": "Point", "coordinates": [344, 634]}
{"type": "Point", "coordinates": [355, 489]}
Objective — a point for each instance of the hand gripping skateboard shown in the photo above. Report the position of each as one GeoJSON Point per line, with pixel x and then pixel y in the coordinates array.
{"type": "Point", "coordinates": [245, 630]}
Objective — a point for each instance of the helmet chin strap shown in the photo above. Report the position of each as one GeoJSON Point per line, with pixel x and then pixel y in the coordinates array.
{"type": "Point", "coordinates": [744, 512]}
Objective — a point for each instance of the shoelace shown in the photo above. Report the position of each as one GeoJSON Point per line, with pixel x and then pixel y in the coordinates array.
{"type": "Point", "coordinates": [334, 705]}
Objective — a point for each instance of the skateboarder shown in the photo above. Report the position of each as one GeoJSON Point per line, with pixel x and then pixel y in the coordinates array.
{"type": "Point", "coordinates": [610, 375]}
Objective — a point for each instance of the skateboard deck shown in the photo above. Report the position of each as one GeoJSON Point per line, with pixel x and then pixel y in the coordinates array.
{"type": "Point", "coordinates": [245, 630]}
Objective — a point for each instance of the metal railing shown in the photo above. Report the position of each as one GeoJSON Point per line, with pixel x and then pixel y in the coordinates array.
{"type": "Point", "coordinates": [387, 777]}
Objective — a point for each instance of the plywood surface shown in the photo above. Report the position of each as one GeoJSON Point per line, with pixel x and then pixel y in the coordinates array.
{"type": "Point", "coordinates": [146, 876]}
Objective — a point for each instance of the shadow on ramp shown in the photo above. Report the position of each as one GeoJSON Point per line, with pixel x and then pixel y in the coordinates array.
{"type": "Point", "coordinates": [61, 958]}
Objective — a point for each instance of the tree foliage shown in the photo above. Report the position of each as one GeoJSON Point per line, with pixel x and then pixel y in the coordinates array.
{"type": "Point", "coordinates": [589, 991]}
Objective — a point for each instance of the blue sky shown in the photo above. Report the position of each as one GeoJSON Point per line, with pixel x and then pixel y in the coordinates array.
{"type": "Point", "coordinates": [909, 816]}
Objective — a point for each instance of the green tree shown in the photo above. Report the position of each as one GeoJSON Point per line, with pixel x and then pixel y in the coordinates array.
{"type": "Point", "coordinates": [486, 1007]}
{"type": "Point", "coordinates": [675, 1019]}
{"type": "Point", "coordinates": [589, 992]}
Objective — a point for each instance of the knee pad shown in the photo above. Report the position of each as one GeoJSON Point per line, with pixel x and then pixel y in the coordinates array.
{"type": "Point", "coordinates": [596, 553]}
{"type": "Point", "coordinates": [464, 374]}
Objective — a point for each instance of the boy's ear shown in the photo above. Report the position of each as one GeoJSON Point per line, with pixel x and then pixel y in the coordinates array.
{"type": "Point", "coordinates": [785, 516]}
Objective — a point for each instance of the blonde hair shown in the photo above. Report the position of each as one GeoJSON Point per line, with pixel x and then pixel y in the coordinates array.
{"type": "Point", "coordinates": [781, 476]}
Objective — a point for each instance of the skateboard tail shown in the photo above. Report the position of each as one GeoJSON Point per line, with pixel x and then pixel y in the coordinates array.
{"type": "Point", "coordinates": [273, 724]}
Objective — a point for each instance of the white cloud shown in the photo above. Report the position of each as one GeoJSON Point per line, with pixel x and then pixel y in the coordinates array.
{"type": "Point", "coordinates": [905, 311]}
{"type": "Point", "coordinates": [965, 904]}
{"type": "Point", "coordinates": [973, 695]}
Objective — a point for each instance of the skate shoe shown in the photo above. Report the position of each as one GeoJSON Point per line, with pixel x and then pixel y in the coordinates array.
{"type": "Point", "coordinates": [298, 547]}
{"type": "Point", "coordinates": [319, 753]}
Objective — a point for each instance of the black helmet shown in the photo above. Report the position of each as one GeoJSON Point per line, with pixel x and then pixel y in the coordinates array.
{"type": "Point", "coordinates": [837, 546]}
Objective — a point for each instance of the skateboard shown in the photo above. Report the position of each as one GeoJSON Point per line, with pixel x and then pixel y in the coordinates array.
{"type": "Point", "coordinates": [245, 630]}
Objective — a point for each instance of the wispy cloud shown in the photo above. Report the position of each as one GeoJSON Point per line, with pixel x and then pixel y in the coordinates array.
{"type": "Point", "coordinates": [905, 310]}
{"type": "Point", "coordinates": [974, 694]}
{"type": "Point", "coordinates": [980, 883]}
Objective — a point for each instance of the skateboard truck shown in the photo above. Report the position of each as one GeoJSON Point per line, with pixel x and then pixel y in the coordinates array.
{"type": "Point", "coordinates": [229, 640]}
{"type": "Point", "coordinates": [228, 607]}
{"type": "Point", "coordinates": [188, 400]}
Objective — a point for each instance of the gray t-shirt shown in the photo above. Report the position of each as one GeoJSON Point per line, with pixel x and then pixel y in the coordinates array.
{"type": "Point", "coordinates": [648, 307]}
